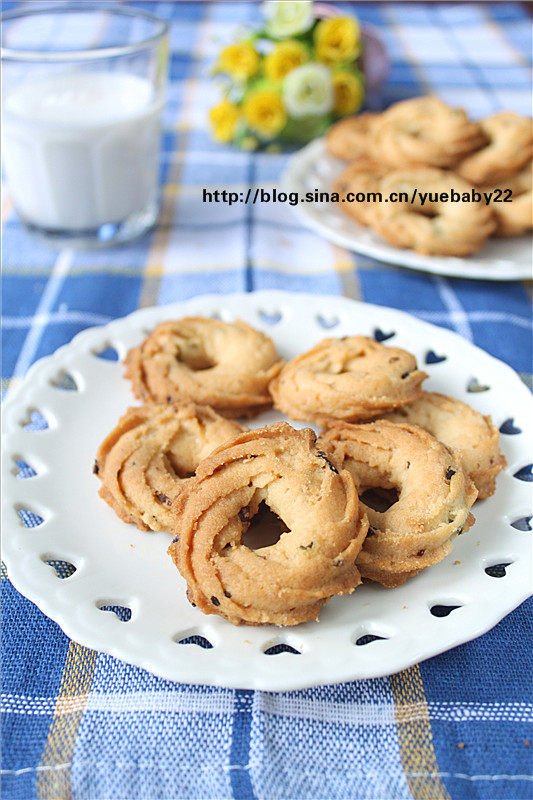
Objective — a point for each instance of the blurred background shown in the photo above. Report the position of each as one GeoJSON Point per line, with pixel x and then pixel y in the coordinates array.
{"type": "Point", "coordinates": [473, 55]}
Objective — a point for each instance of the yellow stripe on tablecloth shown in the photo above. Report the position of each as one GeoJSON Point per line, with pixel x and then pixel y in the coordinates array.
{"type": "Point", "coordinates": [7, 206]}
{"type": "Point", "coordinates": [54, 783]}
{"type": "Point", "coordinates": [417, 753]}
{"type": "Point", "coordinates": [514, 54]}
{"type": "Point", "coordinates": [345, 263]}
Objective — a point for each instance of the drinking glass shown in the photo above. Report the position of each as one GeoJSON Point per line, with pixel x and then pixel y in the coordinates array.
{"type": "Point", "coordinates": [82, 96]}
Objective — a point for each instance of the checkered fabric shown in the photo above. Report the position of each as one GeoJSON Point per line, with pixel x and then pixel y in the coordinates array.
{"type": "Point", "coordinates": [79, 724]}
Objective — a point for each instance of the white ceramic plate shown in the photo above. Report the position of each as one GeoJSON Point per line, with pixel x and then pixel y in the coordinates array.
{"type": "Point", "coordinates": [118, 565]}
{"type": "Point", "coordinates": [313, 168]}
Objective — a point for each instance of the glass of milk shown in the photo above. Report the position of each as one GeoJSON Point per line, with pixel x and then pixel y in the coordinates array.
{"type": "Point", "coordinates": [82, 95]}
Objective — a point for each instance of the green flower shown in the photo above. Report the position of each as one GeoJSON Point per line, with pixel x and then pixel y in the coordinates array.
{"type": "Point", "coordinates": [308, 91]}
{"type": "Point", "coordinates": [286, 18]}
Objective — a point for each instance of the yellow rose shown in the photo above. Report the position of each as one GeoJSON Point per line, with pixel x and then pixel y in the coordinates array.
{"type": "Point", "coordinates": [284, 57]}
{"type": "Point", "coordinates": [348, 93]}
{"type": "Point", "coordinates": [337, 39]}
{"type": "Point", "coordinates": [264, 113]}
{"type": "Point", "coordinates": [224, 118]}
{"type": "Point", "coordinates": [241, 61]}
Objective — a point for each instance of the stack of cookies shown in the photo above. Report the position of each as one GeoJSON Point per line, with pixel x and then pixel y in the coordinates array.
{"type": "Point", "coordinates": [380, 495]}
{"type": "Point", "coordinates": [423, 148]}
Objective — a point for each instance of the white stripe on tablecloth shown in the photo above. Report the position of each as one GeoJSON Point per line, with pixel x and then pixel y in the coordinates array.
{"type": "Point", "coordinates": [56, 317]}
{"type": "Point", "coordinates": [432, 316]}
{"type": "Point", "coordinates": [48, 298]}
{"type": "Point", "coordinates": [451, 301]}
{"type": "Point", "coordinates": [338, 713]}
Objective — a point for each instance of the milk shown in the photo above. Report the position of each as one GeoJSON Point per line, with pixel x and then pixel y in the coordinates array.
{"type": "Point", "coordinates": [80, 149]}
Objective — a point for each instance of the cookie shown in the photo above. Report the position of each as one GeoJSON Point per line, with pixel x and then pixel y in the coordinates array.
{"type": "Point", "coordinates": [358, 189]}
{"type": "Point", "coordinates": [509, 147]}
{"type": "Point", "coordinates": [227, 366]}
{"type": "Point", "coordinates": [434, 495]}
{"type": "Point", "coordinates": [467, 432]}
{"type": "Point", "coordinates": [350, 139]}
{"type": "Point", "coordinates": [320, 523]}
{"type": "Point", "coordinates": [432, 226]}
{"type": "Point", "coordinates": [424, 131]}
{"type": "Point", "coordinates": [515, 216]}
{"type": "Point", "coordinates": [152, 451]}
{"type": "Point", "coordinates": [353, 378]}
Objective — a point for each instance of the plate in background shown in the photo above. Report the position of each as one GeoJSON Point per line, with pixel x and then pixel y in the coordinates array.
{"type": "Point", "coordinates": [313, 167]}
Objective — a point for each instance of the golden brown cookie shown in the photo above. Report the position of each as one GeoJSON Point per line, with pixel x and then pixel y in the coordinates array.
{"type": "Point", "coordinates": [323, 529]}
{"type": "Point", "coordinates": [152, 451]}
{"type": "Point", "coordinates": [353, 378]}
{"type": "Point", "coordinates": [434, 495]}
{"type": "Point", "coordinates": [350, 139]}
{"type": "Point", "coordinates": [424, 131]}
{"type": "Point", "coordinates": [516, 218]}
{"type": "Point", "coordinates": [220, 364]}
{"type": "Point", "coordinates": [438, 226]}
{"type": "Point", "coordinates": [515, 215]}
{"type": "Point", "coordinates": [509, 146]}
{"type": "Point", "coordinates": [471, 435]}
{"type": "Point", "coordinates": [358, 189]}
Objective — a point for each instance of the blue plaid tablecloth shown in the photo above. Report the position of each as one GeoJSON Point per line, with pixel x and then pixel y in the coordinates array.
{"type": "Point", "coordinates": [82, 725]}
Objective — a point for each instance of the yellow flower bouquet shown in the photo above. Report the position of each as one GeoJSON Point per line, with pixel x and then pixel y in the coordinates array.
{"type": "Point", "coordinates": [288, 81]}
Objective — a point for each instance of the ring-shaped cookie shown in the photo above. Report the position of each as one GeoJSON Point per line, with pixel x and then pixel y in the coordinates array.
{"type": "Point", "coordinates": [515, 216]}
{"type": "Point", "coordinates": [354, 378]}
{"type": "Point", "coordinates": [150, 453]}
{"type": "Point", "coordinates": [460, 428]}
{"type": "Point", "coordinates": [284, 583]}
{"type": "Point", "coordinates": [434, 500]}
{"type": "Point", "coordinates": [434, 225]}
{"type": "Point", "coordinates": [349, 139]}
{"type": "Point", "coordinates": [358, 189]}
{"type": "Point", "coordinates": [510, 146]}
{"type": "Point", "coordinates": [424, 131]}
{"type": "Point", "coordinates": [224, 365]}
